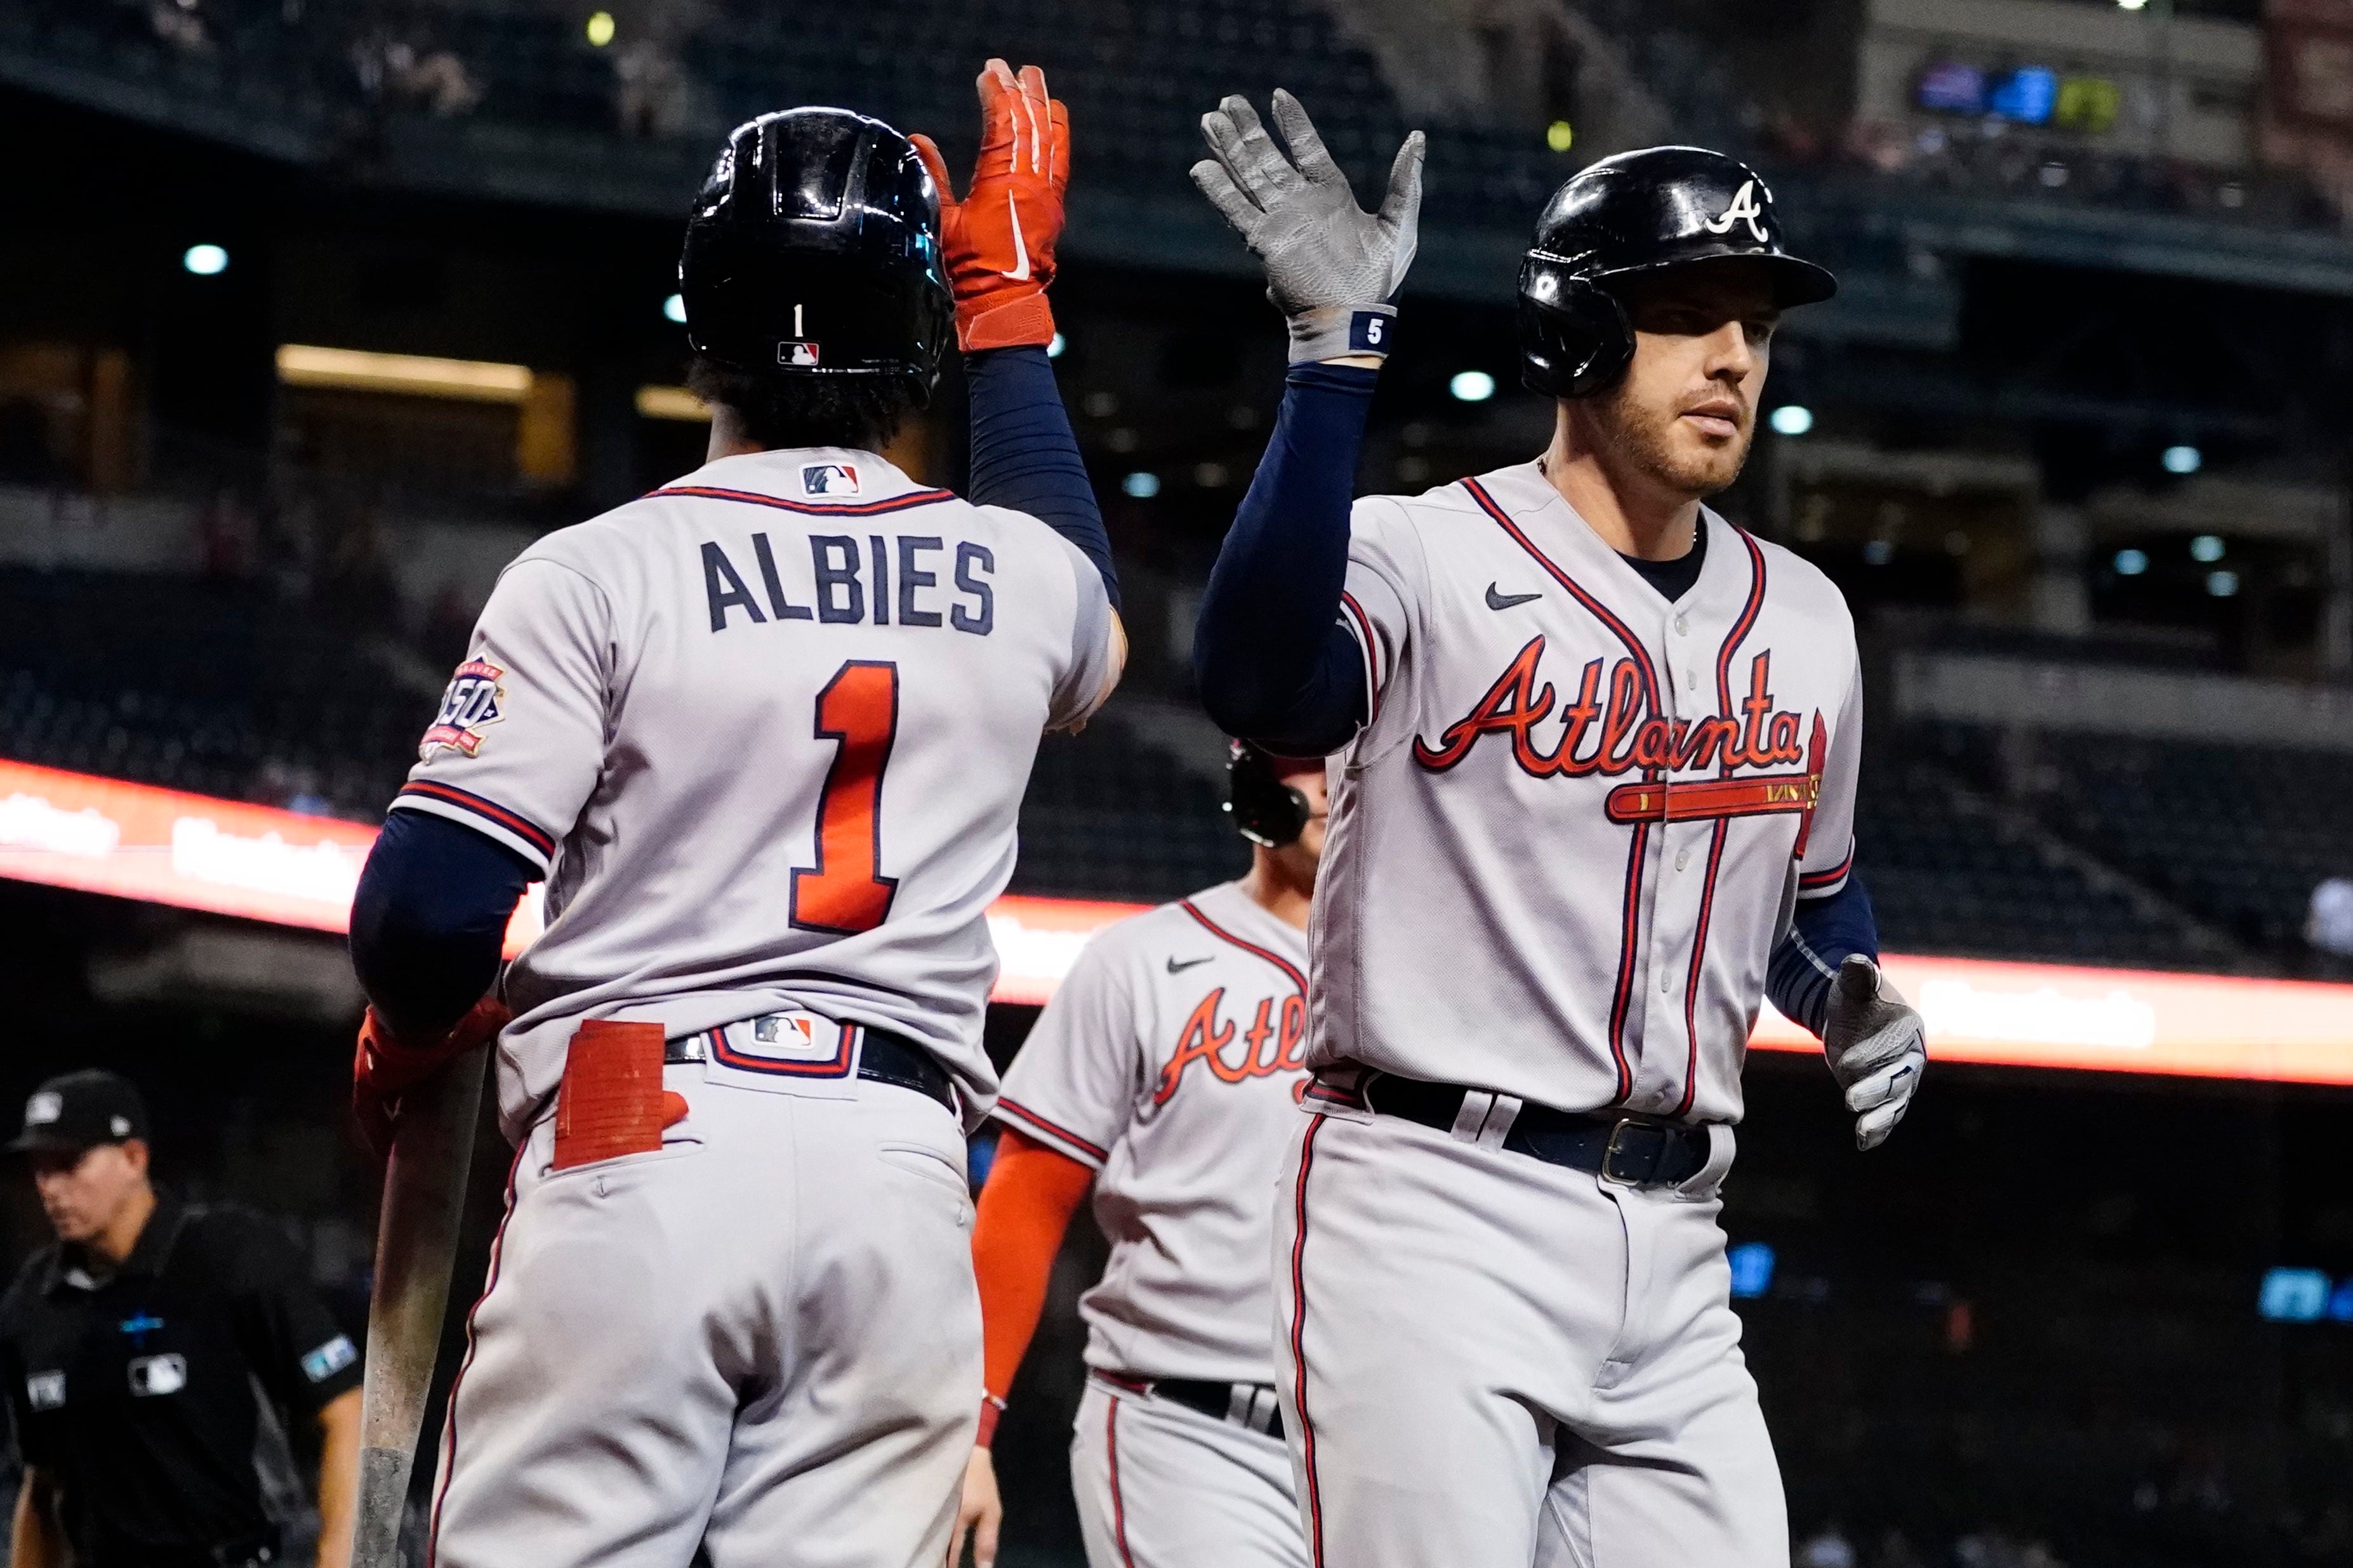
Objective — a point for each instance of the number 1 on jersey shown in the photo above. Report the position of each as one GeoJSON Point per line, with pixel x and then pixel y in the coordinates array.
{"type": "Point", "coordinates": [846, 893]}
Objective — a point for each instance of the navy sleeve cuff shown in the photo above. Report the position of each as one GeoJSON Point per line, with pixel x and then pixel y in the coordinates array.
{"type": "Point", "coordinates": [1823, 933]}
{"type": "Point", "coordinates": [429, 920]}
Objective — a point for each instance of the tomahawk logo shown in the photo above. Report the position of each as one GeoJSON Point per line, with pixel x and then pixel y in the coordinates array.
{"type": "Point", "coordinates": [1744, 208]}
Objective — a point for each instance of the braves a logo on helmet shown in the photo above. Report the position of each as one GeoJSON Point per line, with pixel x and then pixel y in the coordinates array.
{"type": "Point", "coordinates": [1747, 207]}
{"type": "Point", "coordinates": [830, 480]}
{"type": "Point", "coordinates": [471, 703]}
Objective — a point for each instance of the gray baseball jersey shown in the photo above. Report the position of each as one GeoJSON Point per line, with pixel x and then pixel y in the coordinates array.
{"type": "Point", "coordinates": [766, 730]}
{"type": "Point", "coordinates": [1171, 1061]}
{"type": "Point", "coordinates": [1564, 844]}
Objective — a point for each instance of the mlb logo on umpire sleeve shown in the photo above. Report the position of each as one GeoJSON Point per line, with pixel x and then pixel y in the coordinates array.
{"type": "Point", "coordinates": [329, 1359]}
{"type": "Point", "coordinates": [157, 1374]}
{"type": "Point", "coordinates": [830, 480]}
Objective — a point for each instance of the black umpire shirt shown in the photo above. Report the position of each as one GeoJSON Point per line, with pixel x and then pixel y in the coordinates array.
{"type": "Point", "coordinates": [134, 1391]}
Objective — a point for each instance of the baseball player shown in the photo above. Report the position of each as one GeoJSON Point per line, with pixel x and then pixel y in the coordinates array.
{"type": "Point", "coordinates": [1597, 752]}
{"type": "Point", "coordinates": [765, 733]}
{"type": "Point", "coordinates": [1167, 1072]}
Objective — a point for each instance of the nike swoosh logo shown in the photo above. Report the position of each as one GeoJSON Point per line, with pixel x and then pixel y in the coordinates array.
{"type": "Point", "coordinates": [1020, 247]}
{"type": "Point", "coordinates": [1497, 600]}
{"type": "Point", "coordinates": [1176, 968]}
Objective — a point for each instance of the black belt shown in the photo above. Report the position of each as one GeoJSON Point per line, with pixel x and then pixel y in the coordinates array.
{"type": "Point", "coordinates": [884, 1057]}
{"type": "Point", "coordinates": [1632, 1151]}
{"type": "Point", "coordinates": [1251, 1406]}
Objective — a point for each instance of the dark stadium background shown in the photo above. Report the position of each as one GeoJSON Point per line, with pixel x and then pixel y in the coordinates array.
{"type": "Point", "coordinates": [2072, 439]}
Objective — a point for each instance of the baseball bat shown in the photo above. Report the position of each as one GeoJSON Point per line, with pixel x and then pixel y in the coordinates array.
{"type": "Point", "coordinates": [416, 1246]}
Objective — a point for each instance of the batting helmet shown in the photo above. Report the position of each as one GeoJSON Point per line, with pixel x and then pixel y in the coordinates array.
{"type": "Point", "coordinates": [814, 250]}
{"type": "Point", "coordinates": [1265, 809]}
{"type": "Point", "coordinates": [1639, 212]}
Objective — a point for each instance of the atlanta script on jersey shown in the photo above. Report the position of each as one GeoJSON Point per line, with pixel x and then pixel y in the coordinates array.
{"type": "Point", "coordinates": [1171, 1061]}
{"type": "Point", "coordinates": [1561, 848]}
{"type": "Point", "coordinates": [767, 742]}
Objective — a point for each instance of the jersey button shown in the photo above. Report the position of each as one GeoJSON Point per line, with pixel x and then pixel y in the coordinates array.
{"type": "Point", "coordinates": [1683, 859]}
{"type": "Point", "coordinates": [1666, 981]}
{"type": "Point", "coordinates": [1682, 626]}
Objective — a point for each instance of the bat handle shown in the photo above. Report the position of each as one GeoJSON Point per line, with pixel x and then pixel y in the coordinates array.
{"type": "Point", "coordinates": [383, 1499]}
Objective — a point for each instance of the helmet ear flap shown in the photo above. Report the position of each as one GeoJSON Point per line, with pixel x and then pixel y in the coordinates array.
{"type": "Point", "coordinates": [1575, 339]}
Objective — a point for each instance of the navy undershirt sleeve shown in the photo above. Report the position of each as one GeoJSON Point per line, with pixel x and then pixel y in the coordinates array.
{"type": "Point", "coordinates": [429, 919]}
{"type": "Point", "coordinates": [1822, 935]}
{"type": "Point", "coordinates": [1024, 456]}
{"type": "Point", "coordinates": [1272, 661]}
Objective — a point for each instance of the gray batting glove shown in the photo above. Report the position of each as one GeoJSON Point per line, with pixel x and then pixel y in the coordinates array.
{"type": "Point", "coordinates": [1331, 266]}
{"type": "Point", "coordinates": [1877, 1049]}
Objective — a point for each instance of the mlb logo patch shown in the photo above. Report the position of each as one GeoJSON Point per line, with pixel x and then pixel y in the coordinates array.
{"type": "Point", "coordinates": [830, 480]}
{"type": "Point", "coordinates": [798, 354]}
{"type": "Point", "coordinates": [153, 1375]}
{"type": "Point", "coordinates": [329, 1359]}
{"type": "Point", "coordinates": [788, 1038]}
{"type": "Point", "coordinates": [470, 703]}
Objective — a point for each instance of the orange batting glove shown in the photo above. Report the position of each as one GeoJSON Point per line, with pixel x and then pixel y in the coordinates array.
{"type": "Point", "coordinates": [388, 1066]}
{"type": "Point", "coordinates": [1000, 238]}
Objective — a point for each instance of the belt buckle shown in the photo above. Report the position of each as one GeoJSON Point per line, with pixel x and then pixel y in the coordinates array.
{"type": "Point", "coordinates": [1610, 1171]}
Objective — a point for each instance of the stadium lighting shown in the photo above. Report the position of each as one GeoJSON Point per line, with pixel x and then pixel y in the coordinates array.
{"type": "Point", "coordinates": [1792, 419]}
{"type": "Point", "coordinates": [205, 260]}
{"type": "Point", "coordinates": [473, 381]}
{"type": "Point", "coordinates": [1561, 136]}
{"type": "Point", "coordinates": [600, 28]}
{"type": "Point", "coordinates": [2130, 5]}
{"type": "Point", "coordinates": [2131, 562]}
{"type": "Point", "coordinates": [1141, 486]}
{"type": "Point", "coordinates": [672, 402]}
{"type": "Point", "coordinates": [1055, 345]}
{"type": "Point", "coordinates": [2222, 584]}
{"type": "Point", "coordinates": [1752, 1270]}
{"type": "Point", "coordinates": [2182, 459]}
{"type": "Point", "coordinates": [674, 308]}
{"type": "Point", "coordinates": [1471, 386]}
{"type": "Point", "coordinates": [2206, 548]}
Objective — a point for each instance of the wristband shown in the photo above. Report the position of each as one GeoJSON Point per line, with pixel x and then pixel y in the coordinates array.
{"type": "Point", "coordinates": [1338, 331]}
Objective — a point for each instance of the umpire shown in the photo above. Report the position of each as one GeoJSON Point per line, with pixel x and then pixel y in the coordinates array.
{"type": "Point", "coordinates": [131, 1349]}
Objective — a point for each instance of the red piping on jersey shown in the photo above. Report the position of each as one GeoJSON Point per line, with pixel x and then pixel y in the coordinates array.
{"type": "Point", "coordinates": [1299, 1342]}
{"type": "Point", "coordinates": [538, 837]}
{"type": "Point", "coordinates": [1808, 880]}
{"type": "Point", "coordinates": [812, 509]}
{"type": "Point", "coordinates": [1600, 612]}
{"type": "Point", "coordinates": [449, 1419]}
{"type": "Point", "coordinates": [1118, 1503]}
{"type": "Point", "coordinates": [1222, 934]}
{"type": "Point", "coordinates": [1621, 1003]}
{"type": "Point", "coordinates": [1023, 1113]}
{"type": "Point", "coordinates": [1740, 629]}
{"type": "Point", "coordinates": [1372, 658]}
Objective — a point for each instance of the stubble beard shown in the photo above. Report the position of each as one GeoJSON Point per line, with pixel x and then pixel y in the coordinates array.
{"type": "Point", "coordinates": [1644, 438]}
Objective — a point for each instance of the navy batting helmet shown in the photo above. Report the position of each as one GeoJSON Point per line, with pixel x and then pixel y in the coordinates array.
{"type": "Point", "coordinates": [1636, 213]}
{"type": "Point", "coordinates": [814, 250]}
{"type": "Point", "coordinates": [1265, 809]}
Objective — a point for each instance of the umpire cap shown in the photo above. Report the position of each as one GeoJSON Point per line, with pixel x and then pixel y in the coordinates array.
{"type": "Point", "coordinates": [78, 1111]}
{"type": "Point", "coordinates": [814, 250]}
{"type": "Point", "coordinates": [1635, 213]}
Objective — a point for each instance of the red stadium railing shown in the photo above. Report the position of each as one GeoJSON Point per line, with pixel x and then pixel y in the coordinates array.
{"type": "Point", "coordinates": [136, 841]}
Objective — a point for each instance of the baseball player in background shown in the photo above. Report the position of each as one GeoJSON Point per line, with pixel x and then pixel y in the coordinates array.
{"type": "Point", "coordinates": [1597, 755]}
{"type": "Point", "coordinates": [1167, 1072]}
{"type": "Point", "coordinates": [765, 731]}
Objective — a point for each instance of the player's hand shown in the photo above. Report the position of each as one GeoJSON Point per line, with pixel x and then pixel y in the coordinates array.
{"type": "Point", "coordinates": [1000, 238]}
{"type": "Point", "coordinates": [1331, 266]}
{"type": "Point", "coordinates": [1877, 1049]}
{"type": "Point", "coordinates": [388, 1066]}
{"type": "Point", "coordinates": [978, 1513]}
